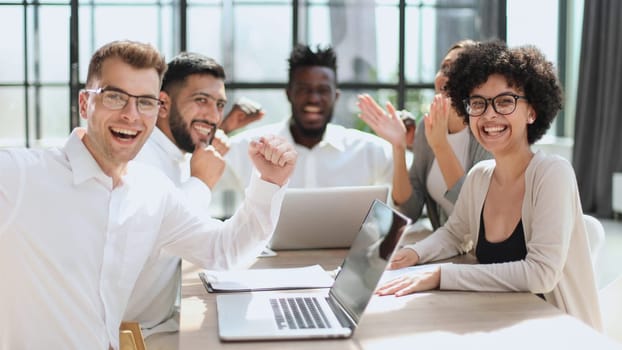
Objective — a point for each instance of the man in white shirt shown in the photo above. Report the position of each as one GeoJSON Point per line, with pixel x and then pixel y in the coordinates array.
{"type": "Point", "coordinates": [328, 154]}
{"type": "Point", "coordinates": [77, 224]}
{"type": "Point", "coordinates": [193, 96]}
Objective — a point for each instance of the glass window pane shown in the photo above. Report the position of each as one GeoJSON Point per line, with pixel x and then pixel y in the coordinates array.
{"type": "Point", "coordinates": [204, 2]}
{"type": "Point", "coordinates": [418, 102]}
{"type": "Point", "coordinates": [273, 102]}
{"type": "Point", "coordinates": [96, 30]}
{"type": "Point", "coordinates": [52, 55]}
{"type": "Point", "coordinates": [121, 2]}
{"type": "Point", "coordinates": [12, 117]}
{"type": "Point", "coordinates": [420, 61]}
{"type": "Point", "coordinates": [528, 27]}
{"type": "Point", "coordinates": [55, 2]}
{"type": "Point", "coordinates": [346, 111]}
{"type": "Point", "coordinates": [387, 39]}
{"type": "Point", "coordinates": [260, 48]}
{"type": "Point", "coordinates": [381, 96]}
{"type": "Point", "coordinates": [204, 32]}
{"type": "Point", "coordinates": [54, 115]}
{"type": "Point", "coordinates": [426, 48]}
{"type": "Point", "coordinates": [12, 48]}
{"type": "Point", "coordinates": [365, 53]}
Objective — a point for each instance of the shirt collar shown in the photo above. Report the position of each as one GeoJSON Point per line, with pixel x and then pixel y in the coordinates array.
{"type": "Point", "coordinates": [333, 136]}
{"type": "Point", "coordinates": [83, 165]}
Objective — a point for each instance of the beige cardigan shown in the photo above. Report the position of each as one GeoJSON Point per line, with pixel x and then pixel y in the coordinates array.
{"type": "Point", "coordinates": [558, 261]}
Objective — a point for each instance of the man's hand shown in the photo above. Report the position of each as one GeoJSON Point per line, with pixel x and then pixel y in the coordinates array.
{"type": "Point", "coordinates": [207, 164]}
{"type": "Point", "coordinates": [237, 119]}
{"type": "Point", "coordinates": [274, 158]}
{"type": "Point", "coordinates": [221, 142]}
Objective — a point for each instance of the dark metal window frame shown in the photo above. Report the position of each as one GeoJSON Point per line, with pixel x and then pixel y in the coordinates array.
{"type": "Point", "coordinates": [402, 87]}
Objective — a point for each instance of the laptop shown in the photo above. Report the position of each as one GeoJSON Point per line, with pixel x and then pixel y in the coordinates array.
{"type": "Point", "coordinates": [329, 217]}
{"type": "Point", "coordinates": [318, 314]}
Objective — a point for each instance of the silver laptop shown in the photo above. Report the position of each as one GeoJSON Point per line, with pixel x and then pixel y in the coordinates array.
{"type": "Point", "coordinates": [318, 314]}
{"type": "Point", "coordinates": [323, 217]}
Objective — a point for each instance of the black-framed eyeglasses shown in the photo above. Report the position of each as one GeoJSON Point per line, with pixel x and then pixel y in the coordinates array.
{"type": "Point", "coordinates": [116, 99]}
{"type": "Point", "coordinates": [503, 104]}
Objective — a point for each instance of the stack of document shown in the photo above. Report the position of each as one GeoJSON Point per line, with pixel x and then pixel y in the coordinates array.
{"type": "Point", "coordinates": [266, 279]}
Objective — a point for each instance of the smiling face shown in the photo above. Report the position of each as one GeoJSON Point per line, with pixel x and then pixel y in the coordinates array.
{"type": "Point", "coordinates": [499, 133]}
{"type": "Point", "coordinates": [312, 94]}
{"type": "Point", "coordinates": [114, 137]}
{"type": "Point", "coordinates": [192, 110]}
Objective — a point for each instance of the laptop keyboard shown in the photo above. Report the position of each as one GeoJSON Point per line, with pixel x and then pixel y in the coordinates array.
{"type": "Point", "coordinates": [298, 313]}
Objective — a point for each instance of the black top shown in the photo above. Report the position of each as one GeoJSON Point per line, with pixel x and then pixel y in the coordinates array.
{"type": "Point", "coordinates": [512, 249]}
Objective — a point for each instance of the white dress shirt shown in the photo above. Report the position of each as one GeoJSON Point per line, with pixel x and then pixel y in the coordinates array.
{"type": "Point", "coordinates": [154, 301]}
{"type": "Point", "coordinates": [72, 246]}
{"type": "Point", "coordinates": [345, 157]}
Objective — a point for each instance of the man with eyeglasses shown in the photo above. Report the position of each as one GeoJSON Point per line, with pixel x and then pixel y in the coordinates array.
{"type": "Point", "coordinates": [77, 224]}
{"type": "Point", "coordinates": [329, 154]}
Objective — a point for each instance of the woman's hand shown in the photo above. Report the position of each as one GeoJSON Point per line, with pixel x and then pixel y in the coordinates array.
{"type": "Point", "coordinates": [437, 122]}
{"type": "Point", "coordinates": [403, 258]}
{"type": "Point", "coordinates": [386, 125]}
{"type": "Point", "coordinates": [419, 282]}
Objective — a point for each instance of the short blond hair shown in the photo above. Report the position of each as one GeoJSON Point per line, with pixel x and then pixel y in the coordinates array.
{"type": "Point", "coordinates": [136, 54]}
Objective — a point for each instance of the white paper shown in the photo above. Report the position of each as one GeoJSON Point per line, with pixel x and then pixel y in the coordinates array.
{"type": "Point", "coordinates": [269, 279]}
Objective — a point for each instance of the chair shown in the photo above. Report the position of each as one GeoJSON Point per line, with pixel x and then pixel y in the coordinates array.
{"type": "Point", "coordinates": [611, 308]}
{"type": "Point", "coordinates": [595, 237]}
{"type": "Point", "coordinates": [131, 337]}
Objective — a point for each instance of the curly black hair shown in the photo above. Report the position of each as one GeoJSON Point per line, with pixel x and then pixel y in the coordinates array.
{"type": "Point", "coordinates": [525, 68]}
{"type": "Point", "coordinates": [304, 56]}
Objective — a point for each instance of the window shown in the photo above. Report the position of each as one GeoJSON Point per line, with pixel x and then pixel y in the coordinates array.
{"type": "Point", "coordinates": [389, 48]}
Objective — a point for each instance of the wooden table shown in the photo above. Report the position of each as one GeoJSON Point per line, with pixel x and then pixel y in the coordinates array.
{"type": "Point", "coordinates": [468, 320]}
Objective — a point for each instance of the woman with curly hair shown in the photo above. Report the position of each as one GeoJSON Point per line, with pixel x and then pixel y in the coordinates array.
{"type": "Point", "coordinates": [519, 213]}
{"type": "Point", "coordinates": [444, 149]}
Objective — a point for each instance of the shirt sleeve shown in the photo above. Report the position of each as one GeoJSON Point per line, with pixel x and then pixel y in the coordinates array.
{"type": "Point", "coordinates": [413, 206]}
{"type": "Point", "coordinates": [197, 193]}
{"type": "Point", "coordinates": [11, 187]}
{"type": "Point", "coordinates": [233, 243]}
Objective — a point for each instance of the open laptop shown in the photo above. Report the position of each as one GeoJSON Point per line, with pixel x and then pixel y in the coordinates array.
{"type": "Point", "coordinates": [323, 217]}
{"type": "Point", "coordinates": [318, 314]}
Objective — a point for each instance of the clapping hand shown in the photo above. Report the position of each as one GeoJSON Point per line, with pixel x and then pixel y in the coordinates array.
{"type": "Point", "coordinates": [437, 121]}
{"type": "Point", "coordinates": [387, 125]}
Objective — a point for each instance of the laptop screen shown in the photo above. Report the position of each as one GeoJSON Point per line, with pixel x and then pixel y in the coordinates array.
{"type": "Point", "coordinates": [368, 257]}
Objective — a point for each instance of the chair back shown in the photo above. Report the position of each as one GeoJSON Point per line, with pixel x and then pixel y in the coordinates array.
{"type": "Point", "coordinates": [131, 337]}
{"type": "Point", "coordinates": [595, 236]}
{"type": "Point", "coordinates": [611, 308]}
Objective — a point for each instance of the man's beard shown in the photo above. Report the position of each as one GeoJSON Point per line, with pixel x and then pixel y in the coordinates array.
{"type": "Point", "coordinates": [312, 133]}
{"type": "Point", "coordinates": [309, 132]}
{"type": "Point", "coordinates": [179, 129]}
